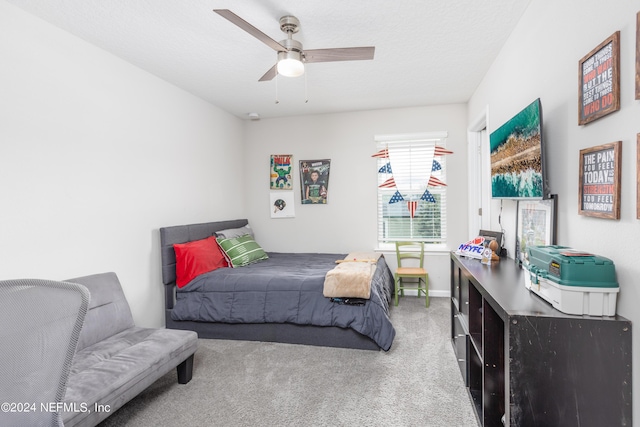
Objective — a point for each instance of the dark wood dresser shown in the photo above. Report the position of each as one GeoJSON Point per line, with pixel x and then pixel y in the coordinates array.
{"type": "Point", "coordinates": [527, 364]}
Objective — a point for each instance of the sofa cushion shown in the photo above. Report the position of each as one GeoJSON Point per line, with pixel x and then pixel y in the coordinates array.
{"type": "Point", "coordinates": [108, 313]}
{"type": "Point", "coordinates": [116, 369]}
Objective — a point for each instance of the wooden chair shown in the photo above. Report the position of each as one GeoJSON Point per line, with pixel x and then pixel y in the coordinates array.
{"type": "Point", "coordinates": [411, 252]}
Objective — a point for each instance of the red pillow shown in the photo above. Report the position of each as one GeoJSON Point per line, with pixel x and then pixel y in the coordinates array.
{"type": "Point", "coordinates": [197, 257]}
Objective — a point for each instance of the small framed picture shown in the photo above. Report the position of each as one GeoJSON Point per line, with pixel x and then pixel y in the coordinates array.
{"type": "Point", "coordinates": [599, 181]}
{"type": "Point", "coordinates": [599, 81]}
{"type": "Point", "coordinates": [282, 204]}
{"type": "Point", "coordinates": [536, 225]}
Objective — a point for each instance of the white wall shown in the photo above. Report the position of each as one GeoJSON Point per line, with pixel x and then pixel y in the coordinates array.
{"type": "Point", "coordinates": [95, 156]}
{"type": "Point", "coordinates": [541, 60]}
{"type": "Point", "coordinates": [348, 221]}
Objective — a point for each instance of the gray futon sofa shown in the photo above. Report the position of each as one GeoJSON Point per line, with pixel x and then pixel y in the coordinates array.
{"type": "Point", "coordinates": [116, 360]}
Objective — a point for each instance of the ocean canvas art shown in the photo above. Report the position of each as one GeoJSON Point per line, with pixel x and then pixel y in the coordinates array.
{"type": "Point", "coordinates": [516, 156]}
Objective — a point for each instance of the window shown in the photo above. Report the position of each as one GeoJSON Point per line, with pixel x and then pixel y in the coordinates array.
{"type": "Point", "coordinates": [412, 176]}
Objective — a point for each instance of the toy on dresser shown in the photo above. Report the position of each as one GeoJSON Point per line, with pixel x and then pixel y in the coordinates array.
{"type": "Point", "coordinates": [489, 255]}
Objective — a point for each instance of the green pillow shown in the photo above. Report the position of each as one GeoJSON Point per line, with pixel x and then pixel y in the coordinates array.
{"type": "Point", "coordinates": [241, 251]}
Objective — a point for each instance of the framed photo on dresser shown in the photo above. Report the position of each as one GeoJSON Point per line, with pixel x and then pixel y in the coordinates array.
{"type": "Point", "coordinates": [536, 225]}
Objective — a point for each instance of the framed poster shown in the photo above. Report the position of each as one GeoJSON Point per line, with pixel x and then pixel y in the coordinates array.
{"type": "Point", "coordinates": [599, 181]}
{"type": "Point", "coordinates": [280, 176]}
{"type": "Point", "coordinates": [314, 180]}
{"type": "Point", "coordinates": [599, 81]}
{"type": "Point", "coordinates": [536, 225]}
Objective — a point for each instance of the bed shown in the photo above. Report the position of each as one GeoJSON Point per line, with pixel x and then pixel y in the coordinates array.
{"type": "Point", "coordinates": [279, 299]}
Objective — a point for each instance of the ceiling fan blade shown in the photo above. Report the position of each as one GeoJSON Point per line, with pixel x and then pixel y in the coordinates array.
{"type": "Point", "coordinates": [269, 75]}
{"type": "Point", "coordinates": [235, 19]}
{"type": "Point", "coordinates": [339, 54]}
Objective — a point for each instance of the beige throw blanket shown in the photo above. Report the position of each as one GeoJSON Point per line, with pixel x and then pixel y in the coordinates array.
{"type": "Point", "coordinates": [351, 278]}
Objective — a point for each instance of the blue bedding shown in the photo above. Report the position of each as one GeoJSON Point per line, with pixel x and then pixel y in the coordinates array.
{"type": "Point", "coordinates": [286, 288]}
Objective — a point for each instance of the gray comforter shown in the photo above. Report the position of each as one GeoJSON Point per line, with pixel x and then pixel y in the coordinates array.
{"type": "Point", "coordinates": [286, 288]}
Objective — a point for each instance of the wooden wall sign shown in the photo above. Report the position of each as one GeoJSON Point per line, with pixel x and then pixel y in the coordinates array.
{"type": "Point", "coordinates": [599, 81]}
{"type": "Point", "coordinates": [599, 181]}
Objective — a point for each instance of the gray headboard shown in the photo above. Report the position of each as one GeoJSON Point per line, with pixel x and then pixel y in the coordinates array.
{"type": "Point", "coordinates": [182, 234]}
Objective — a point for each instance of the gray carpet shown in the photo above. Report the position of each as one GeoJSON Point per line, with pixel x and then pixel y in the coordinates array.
{"type": "Point", "coordinates": [240, 383]}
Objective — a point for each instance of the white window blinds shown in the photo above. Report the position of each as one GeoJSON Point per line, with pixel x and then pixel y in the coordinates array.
{"type": "Point", "coordinates": [411, 179]}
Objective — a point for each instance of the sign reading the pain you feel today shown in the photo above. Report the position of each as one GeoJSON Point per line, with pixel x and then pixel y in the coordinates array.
{"type": "Point", "coordinates": [600, 181]}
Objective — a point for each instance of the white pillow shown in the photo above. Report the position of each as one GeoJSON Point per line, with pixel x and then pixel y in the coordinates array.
{"type": "Point", "coordinates": [231, 233]}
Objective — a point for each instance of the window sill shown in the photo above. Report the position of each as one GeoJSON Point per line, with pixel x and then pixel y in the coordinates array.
{"type": "Point", "coordinates": [428, 249]}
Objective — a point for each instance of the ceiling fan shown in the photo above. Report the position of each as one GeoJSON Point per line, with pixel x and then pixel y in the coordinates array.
{"type": "Point", "coordinates": [291, 55]}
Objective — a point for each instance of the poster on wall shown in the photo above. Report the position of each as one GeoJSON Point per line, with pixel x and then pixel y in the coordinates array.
{"type": "Point", "coordinates": [281, 167]}
{"type": "Point", "coordinates": [599, 81]}
{"type": "Point", "coordinates": [282, 204]}
{"type": "Point", "coordinates": [314, 180]}
{"type": "Point", "coordinates": [599, 178]}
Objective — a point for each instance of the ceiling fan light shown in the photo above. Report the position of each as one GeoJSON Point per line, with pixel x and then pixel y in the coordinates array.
{"type": "Point", "coordinates": [290, 64]}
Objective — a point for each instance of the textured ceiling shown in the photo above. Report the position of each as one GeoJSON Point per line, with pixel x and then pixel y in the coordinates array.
{"type": "Point", "coordinates": [428, 52]}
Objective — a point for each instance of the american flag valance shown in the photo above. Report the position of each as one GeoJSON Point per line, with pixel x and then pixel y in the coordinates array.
{"type": "Point", "coordinates": [411, 168]}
